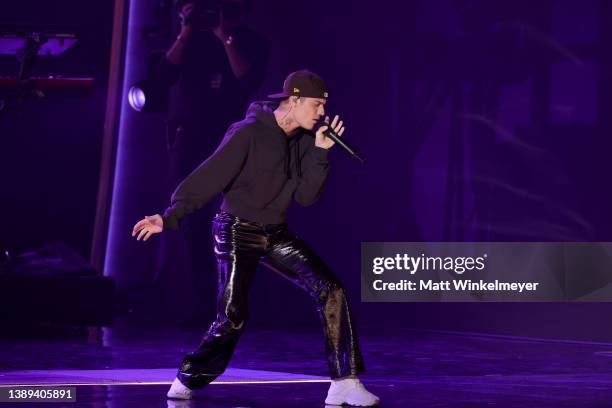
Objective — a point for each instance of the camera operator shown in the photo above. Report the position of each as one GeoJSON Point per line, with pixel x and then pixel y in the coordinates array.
{"type": "Point", "coordinates": [214, 64]}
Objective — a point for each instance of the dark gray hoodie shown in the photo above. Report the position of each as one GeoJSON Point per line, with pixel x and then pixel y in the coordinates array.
{"type": "Point", "coordinates": [258, 168]}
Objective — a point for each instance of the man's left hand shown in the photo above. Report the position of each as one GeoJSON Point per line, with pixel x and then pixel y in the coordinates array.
{"type": "Point", "coordinates": [325, 142]}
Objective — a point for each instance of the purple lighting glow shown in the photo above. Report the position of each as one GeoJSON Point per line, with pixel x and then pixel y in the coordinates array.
{"type": "Point", "coordinates": [125, 187]}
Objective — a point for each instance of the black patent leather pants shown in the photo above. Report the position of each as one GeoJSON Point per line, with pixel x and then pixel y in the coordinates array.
{"type": "Point", "coordinates": [239, 247]}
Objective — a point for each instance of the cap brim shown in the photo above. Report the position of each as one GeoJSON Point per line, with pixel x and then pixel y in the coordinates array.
{"type": "Point", "coordinates": [281, 95]}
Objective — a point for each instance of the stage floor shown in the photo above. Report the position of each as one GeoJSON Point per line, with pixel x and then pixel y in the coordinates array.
{"type": "Point", "coordinates": [128, 367]}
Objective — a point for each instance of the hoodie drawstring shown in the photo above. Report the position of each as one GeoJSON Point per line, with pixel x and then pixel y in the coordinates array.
{"type": "Point", "coordinates": [296, 155]}
{"type": "Point", "coordinates": [298, 160]}
{"type": "Point", "coordinates": [288, 159]}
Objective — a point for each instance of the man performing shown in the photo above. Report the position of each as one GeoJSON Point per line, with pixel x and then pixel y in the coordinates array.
{"type": "Point", "coordinates": [263, 162]}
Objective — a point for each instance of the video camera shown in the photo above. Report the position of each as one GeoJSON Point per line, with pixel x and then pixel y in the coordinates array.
{"type": "Point", "coordinates": [207, 13]}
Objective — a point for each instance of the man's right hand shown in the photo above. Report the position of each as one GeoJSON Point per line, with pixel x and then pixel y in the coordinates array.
{"type": "Point", "coordinates": [148, 226]}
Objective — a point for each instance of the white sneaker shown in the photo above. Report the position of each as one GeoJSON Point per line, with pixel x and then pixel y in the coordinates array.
{"type": "Point", "coordinates": [179, 391]}
{"type": "Point", "coordinates": [350, 391]}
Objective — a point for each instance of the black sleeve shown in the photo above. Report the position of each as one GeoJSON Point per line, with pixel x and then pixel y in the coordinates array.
{"type": "Point", "coordinates": [209, 178]}
{"type": "Point", "coordinates": [315, 168]}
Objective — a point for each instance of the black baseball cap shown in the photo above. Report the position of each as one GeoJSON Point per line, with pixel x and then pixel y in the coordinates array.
{"type": "Point", "coordinates": [302, 83]}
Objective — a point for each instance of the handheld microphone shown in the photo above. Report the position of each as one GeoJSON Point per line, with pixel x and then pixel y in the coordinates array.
{"type": "Point", "coordinates": [329, 132]}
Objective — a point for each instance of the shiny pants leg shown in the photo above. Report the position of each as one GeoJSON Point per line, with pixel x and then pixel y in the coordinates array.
{"type": "Point", "coordinates": [239, 247]}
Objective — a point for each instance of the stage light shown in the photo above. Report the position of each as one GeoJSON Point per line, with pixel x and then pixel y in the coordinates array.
{"type": "Point", "coordinates": [147, 96]}
{"type": "Point", "coordinates": [137, 97]}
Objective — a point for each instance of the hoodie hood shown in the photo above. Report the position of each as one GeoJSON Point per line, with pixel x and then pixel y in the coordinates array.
{"type": "Point", "coordinates": [263, 111]}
